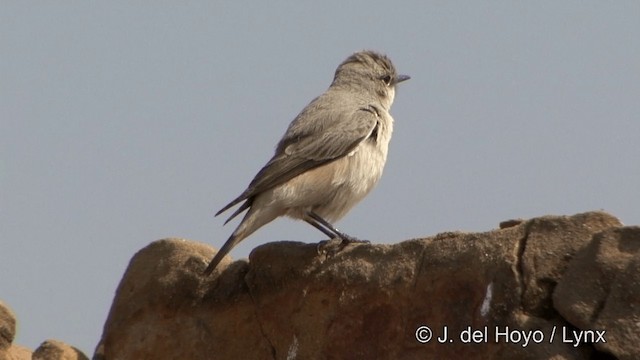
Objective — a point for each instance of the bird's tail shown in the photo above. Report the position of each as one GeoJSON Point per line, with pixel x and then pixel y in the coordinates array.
{"type": "Point", "coordinates": [252, 221]}
{"type": "Point", "coordinates": [224, 250]}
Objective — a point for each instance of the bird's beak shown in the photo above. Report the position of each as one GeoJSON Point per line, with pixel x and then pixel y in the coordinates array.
{"type": "Point", "coordinates": [401, 78]}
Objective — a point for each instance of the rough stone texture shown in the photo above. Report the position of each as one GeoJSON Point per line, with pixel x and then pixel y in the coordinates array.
{"type": "Point", "coordinates": [549, 244]}
{"type": "Point", "coordinates": [8, 351]}
{"type": "Point", "coordinates": [367, 301]}
{"type": "Point", "coordinates": [15, 352]}
{"type": "Point", "coordinates": [601, 290]}
{"type": "Point", "coordinates": [165, 308]}
{"type": "Point", "coordinates": [48, 350]}
{"type": "Point", "coordinates": [7, 326]}
{"type": "Point", "coordinates": [57, 350]}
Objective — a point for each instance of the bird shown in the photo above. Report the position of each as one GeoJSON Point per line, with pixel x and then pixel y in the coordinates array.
{"type": "Point", "coordinates": [330, 157]}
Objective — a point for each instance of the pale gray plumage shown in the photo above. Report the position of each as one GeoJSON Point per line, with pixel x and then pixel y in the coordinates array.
{"type": "Point", "coordinates": [330, 157]}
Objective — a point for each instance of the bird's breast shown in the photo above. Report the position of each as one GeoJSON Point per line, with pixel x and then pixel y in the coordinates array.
{"type": "Point", "coordinates": [332, 189]}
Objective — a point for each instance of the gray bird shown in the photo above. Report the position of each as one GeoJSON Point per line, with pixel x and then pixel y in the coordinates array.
{"type": "Point", "coordinates": [330, 157]}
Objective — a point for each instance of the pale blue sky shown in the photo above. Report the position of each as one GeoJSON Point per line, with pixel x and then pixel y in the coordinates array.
{"type": "Point", "coordinates": [123, 123]}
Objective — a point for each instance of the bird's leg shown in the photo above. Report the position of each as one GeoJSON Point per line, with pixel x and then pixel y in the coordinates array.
{"type": "Point", "coordinates": [320, 227]}
{"type": "Point", "coordinates": [324, 226]}
{"type": "Point", "coordinates": [323, 245]}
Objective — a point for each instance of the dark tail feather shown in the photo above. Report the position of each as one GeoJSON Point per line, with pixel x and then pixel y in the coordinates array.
{"type": "Point", "coordinates": [242, 208]}
{"type": "Point", "coordinates": [224, 250]}
{"type": "Point", "coordinates": [243, 196]}
{"type": "Point", "coordinates": [228, 206]}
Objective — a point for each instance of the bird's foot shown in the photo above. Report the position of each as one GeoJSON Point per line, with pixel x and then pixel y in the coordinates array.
{"type": "Point", "coordinates": [346, 240]}
{"type": "Point", "coordinates": [333, 246]}
{"type": "Point", "coordinates": [329, 247]}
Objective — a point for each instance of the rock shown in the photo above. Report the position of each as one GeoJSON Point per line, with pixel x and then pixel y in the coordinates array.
{"type": "Point", "coordinates": [48, 350]}
{"type": "Point", "coordinates": [165, 308]}
{"type": "Point", "coordinates": [16, 352]}
{"type": "Point", "coordinates": [491, 292]}
{"type": "Point", "coordinates": [57, 350]}
{"type": "Point", "coordinates": [510, 223]}
{"type": "Point", "coordinates": [549, 244]}
{"type": "Point", "coordinates": [600, 291]}
{"type": "Point", "coordinates": [9, 351]}
{"type": "Point", "coordinates": [7, 326]}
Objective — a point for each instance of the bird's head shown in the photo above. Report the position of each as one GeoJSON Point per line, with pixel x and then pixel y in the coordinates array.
{"type": "Point", "coordinates": [370, 72]}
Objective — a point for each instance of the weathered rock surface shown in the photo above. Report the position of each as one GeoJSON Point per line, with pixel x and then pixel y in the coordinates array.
{"type": "Point", "coordinates": [7, 326]}
{"type": "Point", "coordinates": [601, 290]}
{"type": "Point", "coordinates": [15, 352]}
{"type": "Point", "coordinates": [48, 350]}
{"type": "Point", "coordinates": [8, 351]}
{"type": "Point", "coordinates": [523, 291]}
{"type": "Point", "coordinates": [57, 350]}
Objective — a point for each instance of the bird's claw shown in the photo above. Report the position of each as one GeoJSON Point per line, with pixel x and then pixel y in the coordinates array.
{"type": "Point", "coordinates": [333, 246]}
{"type": "Point", "coordinates": [346, 240]}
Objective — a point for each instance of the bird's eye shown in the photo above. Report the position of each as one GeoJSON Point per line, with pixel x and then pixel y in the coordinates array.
{"type": "Point", "coordinates": [386, 79]}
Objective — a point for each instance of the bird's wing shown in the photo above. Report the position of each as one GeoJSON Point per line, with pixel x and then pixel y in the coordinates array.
{"type": "Point", "coordinates": [302, 152]}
